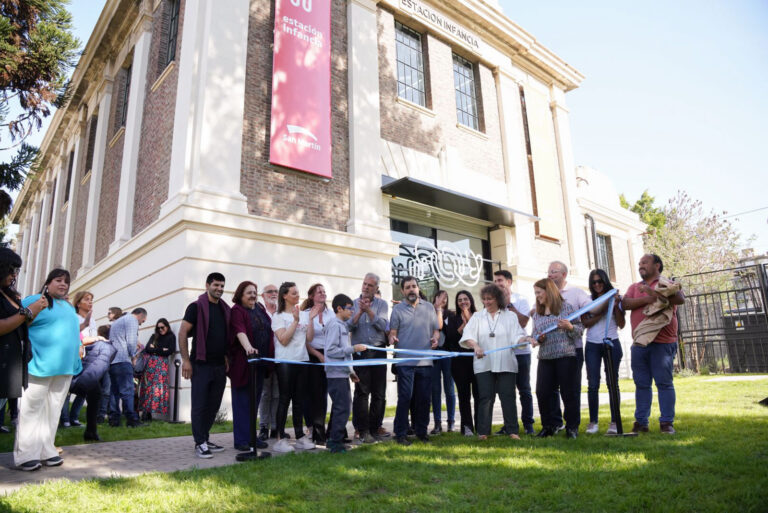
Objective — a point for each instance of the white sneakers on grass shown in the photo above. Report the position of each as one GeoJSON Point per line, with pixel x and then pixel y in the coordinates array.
{"type": "Point", "coordinates": [592, 428]}
{"type": "Point", "coordinates": [304, 443]}
{"type": "Point", "coordinates": [612, 429]}
{"type": "Point", "coordinates": [283, 445]}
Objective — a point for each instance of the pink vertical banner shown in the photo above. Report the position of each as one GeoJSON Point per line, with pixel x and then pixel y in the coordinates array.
{"type": "Point", "coordinates": [300, 129]}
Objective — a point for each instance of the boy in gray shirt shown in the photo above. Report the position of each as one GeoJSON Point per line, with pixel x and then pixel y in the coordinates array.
{"type": "Point", "coordinates": [338, 349]}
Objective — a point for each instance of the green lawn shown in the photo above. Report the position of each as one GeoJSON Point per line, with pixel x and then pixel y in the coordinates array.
{"type": "Point", "coordinates": [717, 462]}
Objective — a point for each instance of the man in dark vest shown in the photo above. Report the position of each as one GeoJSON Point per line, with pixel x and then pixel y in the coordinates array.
{"type": "Point", "coordinates": [206, 321]}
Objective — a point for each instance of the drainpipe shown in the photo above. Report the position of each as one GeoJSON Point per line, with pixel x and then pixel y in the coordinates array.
{"type": "Point", "coordinates": [591, 220]}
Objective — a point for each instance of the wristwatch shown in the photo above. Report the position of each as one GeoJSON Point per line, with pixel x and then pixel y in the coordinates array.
{"type": "Point", "coordinates": [26, 312]}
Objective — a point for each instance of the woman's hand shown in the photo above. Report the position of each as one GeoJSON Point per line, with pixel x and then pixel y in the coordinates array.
{"type": "Point", "coordinates": [295, 313]}
{"type": "Point", "coordinates": [315, 311]}
{"type": "Point", "coordinates": [38, 305]}
{"type": "Point", "coordinates": [249, 350]}
{"type": "Point", "coordinates": [466, 314]}
{"type": "Point", "coordinates": [479, 353]}
{"type": "Point", "coordinates": [565, 324]}
{"type": "Point", "coordinates": [359, 348]}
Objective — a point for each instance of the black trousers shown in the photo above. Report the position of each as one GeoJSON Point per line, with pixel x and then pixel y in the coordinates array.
{"type": "Point", "coordinates": [318, 400]}
{"type": "Point", "coordinates": [491, 384]}
{"type": "Point", "coordinates": [564, 373]}
{"type": "Point", "coordinates": [292, 382]}
{"type": "Point", "coordinates": [373, 383]}
{"type": "Point", "coordinates": [93, 398]}
{"type": "Point", "coordinates": [466, 385]}
{"type": "Point", "coordinates": [208, 383]}
{"type": "Point", "coordinates": [558, 413]}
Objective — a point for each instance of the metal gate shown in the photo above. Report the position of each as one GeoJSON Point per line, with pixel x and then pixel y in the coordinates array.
{"type": "Point", "coordinates": [723, 325]}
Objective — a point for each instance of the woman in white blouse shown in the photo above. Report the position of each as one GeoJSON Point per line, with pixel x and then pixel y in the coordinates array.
{"type": "Point", "coordinates": [492, 328]}
{"type": "Point", "coordinates": [290, 327]}
{"type": "Point", "coordinates": [316, 403]}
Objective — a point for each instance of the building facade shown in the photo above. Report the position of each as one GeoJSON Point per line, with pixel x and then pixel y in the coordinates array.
{"type": "Point", "coordinates": [451, 157]}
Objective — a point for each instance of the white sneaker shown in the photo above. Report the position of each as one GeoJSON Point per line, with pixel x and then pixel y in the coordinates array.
{"type": "Point", "coordinates": [468, 432]}
{"type": "Point", "coordinates": [304, 443]}
{"type": "Point", "coordinates": [612, 429]}
{"type": "Point", "coordinates": [592, 428]}
{"type": "Point", "coordinates": [282, 445]}
{"type": "Point", "coordinates": [202, 451]}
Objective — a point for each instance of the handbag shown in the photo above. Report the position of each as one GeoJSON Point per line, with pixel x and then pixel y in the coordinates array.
{"type": "Point", "coordinates": [140, 363]}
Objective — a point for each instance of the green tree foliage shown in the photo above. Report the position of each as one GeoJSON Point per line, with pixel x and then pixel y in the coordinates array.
{"type": "Point", "coordinates": [649, 214]}
{"type": "Point", "coordinates": [37, 52]}
{"type": "Point", "coordinates": [693, 240]}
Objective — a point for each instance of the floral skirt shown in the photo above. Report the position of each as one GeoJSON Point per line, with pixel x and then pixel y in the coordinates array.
{"type": "Point", "coordinates": [155, 391]}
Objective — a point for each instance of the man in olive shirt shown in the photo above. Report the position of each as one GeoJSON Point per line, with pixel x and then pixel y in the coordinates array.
{"type": "Point", "coordinates": [413, 325]}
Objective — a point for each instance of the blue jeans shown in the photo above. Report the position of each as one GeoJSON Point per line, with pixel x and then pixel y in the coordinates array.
{"type": "Point", "coordinates": [413, 382]}
{"type": "Point", "coordinates": [443, 366]}
{"type": "Point", "coordinates": [77, 405]}
{"type": "Point", "coordinates": [121, 376]}
{"type": "Point", "coordinates": [106, 389]}
{"type": "Point", "coordinates": [594, 354]}
{"type": "Point", "coordinates": [523, 382]}
{"type": "Point", "coordinates": [654, 361]}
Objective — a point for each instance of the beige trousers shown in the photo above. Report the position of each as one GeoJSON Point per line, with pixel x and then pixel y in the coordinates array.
{"type": "Point", "coordinates": [39, 414]}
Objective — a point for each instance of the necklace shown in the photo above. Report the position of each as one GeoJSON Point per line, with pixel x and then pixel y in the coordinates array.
{"type": "Point", "coordinates": [492, 329]}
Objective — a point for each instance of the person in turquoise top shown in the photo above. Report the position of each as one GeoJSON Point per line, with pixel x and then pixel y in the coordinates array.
{"type": "Point", "coordinates": [54, 336]}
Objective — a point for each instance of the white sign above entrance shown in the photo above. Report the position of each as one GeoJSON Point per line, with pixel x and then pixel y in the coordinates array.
{"type": "Point", "coordinates": [434, 18]}
{"type": "Point", "coordinates": [449, 265]}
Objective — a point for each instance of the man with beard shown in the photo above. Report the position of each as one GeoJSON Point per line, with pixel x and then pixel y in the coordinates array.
{"type": "Point", "coordinates": [367, 326]}
{"type": "Point", "coordinates": [270, 395]}
{"type": "Point", "coordinates": [207, 321]}
{"type": "Point", "coordinates": [656, 360]}
{"type": "Point", "coordinates": [413, 326]}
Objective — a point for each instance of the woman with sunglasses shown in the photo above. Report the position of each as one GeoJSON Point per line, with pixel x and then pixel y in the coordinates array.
{"type": "Point", "coordinates": [14, 340]}
{"type": "Point", "coordinates": [155, 392]}
{"type": "Point", "coordinates": [595, 349]}
{"type": "Point", "coordinates": [54, 336]}
{"type": "Point", "coordinates": [461, 367]}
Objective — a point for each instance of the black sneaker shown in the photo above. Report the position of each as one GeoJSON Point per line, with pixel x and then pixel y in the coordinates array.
{"type": "Point", "coordinates": [202, 451]}
{"type": "Point", "coordinates": [243, 448]}
{"type": "Point", "coordinates": [402, 440]}
{"type": "Point", "coordinates": [214, 447]}
{"type": "Point", "coordinates": [501, 431]}
{"type": "Point", "coordinates": [423, 438]}
{"type": "Point", "coordinates": [410, 432]}
{"type": "Point", "coordinates": [261, 444]}
{"type": "Point", "coordinates": [75, 423]}
{"type": "Point", "coordinates": [54, 461]}
{"type": "Point", "coordinates": [263, 434]}
{"type": "Point", "coordinates": [29, 465]}
{"type": "Point", "coordinates": [436, 430]}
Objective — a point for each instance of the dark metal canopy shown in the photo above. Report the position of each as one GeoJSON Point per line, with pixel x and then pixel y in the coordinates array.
{"type": "Point", "coordinates": [433, 195]}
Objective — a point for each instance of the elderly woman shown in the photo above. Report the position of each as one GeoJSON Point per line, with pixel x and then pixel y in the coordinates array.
{"type": "Point", "coordinates": [558, 365]}
{"type": "Point", "coordinates": [155, 391]}
{"type": "Point", "coordinates": [250, 335]}
{"type": "Point", "coordinates": [14, 340]}
{"type": "Point", "coordinates": [493, 328]}
{"type": "Point", "coordinates": [54, 336]}
{"type": "Point", "coordinates": [292, 328]}
{"type": "Point", "coordinates": [316, 401]}
{"type": "Point", "coordinates": [83, 303]}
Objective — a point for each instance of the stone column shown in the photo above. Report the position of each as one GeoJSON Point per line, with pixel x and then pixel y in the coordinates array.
{"type": "Point", "coordinates": [131, 144]}
{"type": "Point", "coordinates": [565, 160]}
{"type": "Point", "coordinates": [97, 171]}
{"type": "Point", "coordinates": [56, 222]}
{"type": "Point", "coordinates": [366, 204]}
{"type": "Point", "coordinates": [210, 104]}
{"type": "Point", "coordinates": [40, 270]}
{"type": "Point", "coordinates": [29, 257]}
{"type": "Point", "coordinates": [23, 248]}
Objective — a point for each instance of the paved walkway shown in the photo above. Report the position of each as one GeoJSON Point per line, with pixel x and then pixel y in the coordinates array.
{"type": "Point", "coordinates": [739, 378]}
{"type": "Point", "coordinates": [135, 457]}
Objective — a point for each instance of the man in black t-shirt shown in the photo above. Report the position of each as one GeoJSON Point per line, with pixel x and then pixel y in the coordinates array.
{"type": "Point", "coordinates": [206, 321]}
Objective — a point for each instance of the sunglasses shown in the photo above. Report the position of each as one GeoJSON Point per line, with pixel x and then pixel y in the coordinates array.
{"type": "Point", "coordinates": [270, 292]}
{"type": "Point", "coordinates": [595, 282]}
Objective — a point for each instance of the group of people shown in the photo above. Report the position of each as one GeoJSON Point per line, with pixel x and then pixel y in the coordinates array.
{"type": "Point", "coordinates": [51, 349]}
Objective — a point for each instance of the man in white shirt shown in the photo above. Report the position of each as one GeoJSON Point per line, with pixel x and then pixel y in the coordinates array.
{"type": "Point", "coordinates": [577, 298]}
{"type": "Point", "coordinates": [518, 305]}
{"type": "Point", "coordinates": [270, 394]}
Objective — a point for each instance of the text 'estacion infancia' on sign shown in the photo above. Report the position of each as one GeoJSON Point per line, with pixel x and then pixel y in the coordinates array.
{"type": "Point", "coordinates": [302, 31]}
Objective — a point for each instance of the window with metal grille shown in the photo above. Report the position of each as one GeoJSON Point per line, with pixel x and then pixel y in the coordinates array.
{"type": "Point", "coordinates": [50, 213]}
{"type": "Point", "coordinates": [68, 185]}
{"type": "Point", "coordinates": [173, 31]}
{"type": "Point", "coordinates": [91, 142]}
{"type": "Point", "coordinates": [411, 84]}
{"type": "Point", "coordinates": [466, 99]}
{"type": "Point", "coordinates": [605, 255]}
{"type": "Point", "coordinates": [124, 97]}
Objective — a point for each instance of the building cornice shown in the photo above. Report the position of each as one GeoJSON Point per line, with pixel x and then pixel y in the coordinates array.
{"type": "Point", "coordinates": [622, 218]}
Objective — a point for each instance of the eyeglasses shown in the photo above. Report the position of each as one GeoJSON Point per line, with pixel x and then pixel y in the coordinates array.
{"type": "Point", "coordinates": [349, 307]}
{"type": "Point", "coordinates": [595, 282]}
{"type": "Point", "coordinates": [270, 292]}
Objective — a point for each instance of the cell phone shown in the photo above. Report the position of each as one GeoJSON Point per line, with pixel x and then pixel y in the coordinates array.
{"type": "Point", "coordinates": [45, 290]}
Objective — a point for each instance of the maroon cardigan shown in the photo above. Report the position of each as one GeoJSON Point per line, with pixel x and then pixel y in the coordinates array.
{"type": "Point", "coordinates": [240, 322]}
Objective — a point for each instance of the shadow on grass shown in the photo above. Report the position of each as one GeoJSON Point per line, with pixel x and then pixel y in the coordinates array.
{"type": "Point", "coordinates": [713, 464]}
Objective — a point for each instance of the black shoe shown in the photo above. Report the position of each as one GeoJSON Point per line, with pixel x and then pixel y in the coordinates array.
{"type": "Point", "coordinates": [101, 419]}
{"type": "Point", "coordinates": [54, 461]}
{"type": "Point", "coordinates": [402, 440]}
{"type": "Point", "coordinates": [410, 432]}
{"type": "Point", "coordinates": [261, 444]}
{"type": "Point", "coordinates": [529, 430]}
{"type": "Point", "coordinates": [571, 433]}
{"type": "Point", "coordinates": [91, 437]}
{"type": "Point", "coordinates": [135, 424]}
{"type": "Point", "coordinates": [75, 423]}
{"type": "Point", "coordinates": [263, 434]}
{"type": "Point", "coordinates": [450, 427]}
{"type": "Point", "coordinates": [214, 447]}
{"type": "Point", "coordinates": [501, 431]}
{"type": "Point", "coordinates": [285, 435]}
{"type": "Point", "coordinates": [545, 432]}
{"type": "Point", "coordinates": [423, 438]}
{"type": "Point", "coordinates": [29, 465]}
{"type": "Point", "coordinates": [273, 434]}
{"type": "Point", "coordinates": [243, 448]}
{"type": "Point", "coordinates": [436, 430]}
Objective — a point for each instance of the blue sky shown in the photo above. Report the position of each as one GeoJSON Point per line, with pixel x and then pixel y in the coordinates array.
{"type": "Point", "coordinates": [673, 97]}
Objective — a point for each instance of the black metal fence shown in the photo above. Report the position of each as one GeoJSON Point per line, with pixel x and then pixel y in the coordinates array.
{"type": "Point", "coordinates": [723, 325]}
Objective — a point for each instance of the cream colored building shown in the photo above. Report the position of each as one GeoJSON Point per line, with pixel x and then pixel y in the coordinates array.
{"type": "Point", "coordinates": [156, 173]}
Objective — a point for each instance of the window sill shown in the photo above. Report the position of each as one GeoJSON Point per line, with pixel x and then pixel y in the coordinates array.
{"type": "Point", "coordinates": [117, 136]}
{"type": "Point", "coordinates": [472, 131]}
{"type": "Point", "coordinates": [163, 75]}
{"type": "Point", "coordinates": [547, 238]}
{"type": "Point", "coordinates": [416, 106]}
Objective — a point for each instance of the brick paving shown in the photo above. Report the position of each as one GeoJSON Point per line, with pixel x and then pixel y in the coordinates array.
{"type": "Point", "coordinates": [134, 457]}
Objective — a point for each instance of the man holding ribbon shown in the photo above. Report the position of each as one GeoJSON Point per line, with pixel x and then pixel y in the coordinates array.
{"type": "Point", "coordinates": [413, 326]}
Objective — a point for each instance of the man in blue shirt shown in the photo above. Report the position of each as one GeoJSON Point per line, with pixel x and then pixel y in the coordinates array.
{"type": "Point", "coordinates": [124, 335]}
{"type": "Point", "coordinates": [413, 325]}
